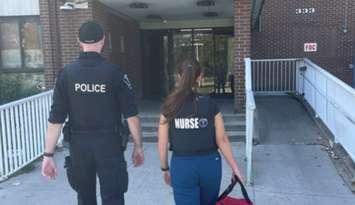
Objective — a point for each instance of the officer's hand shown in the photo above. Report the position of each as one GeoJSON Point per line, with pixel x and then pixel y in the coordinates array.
{"type": "Point", "coordinates": [167, 178]}
{"type": "Point", "coordinates": [49, 168]}
{"type": "Point", "coordinates": [137, 156]}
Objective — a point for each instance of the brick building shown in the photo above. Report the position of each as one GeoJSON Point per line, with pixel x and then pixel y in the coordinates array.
{"type": "Point", "coordinates": [142, 35]}
{"type": "Point", "coordinates": [285, 26]}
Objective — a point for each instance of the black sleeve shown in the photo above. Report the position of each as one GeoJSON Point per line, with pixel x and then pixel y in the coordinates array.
{"type": "Point", "coordinates": [214, 109]}
{"type": "Point", "coordinates": [126, 97]}
{"type": "Point", "coordinates": [59, 108]}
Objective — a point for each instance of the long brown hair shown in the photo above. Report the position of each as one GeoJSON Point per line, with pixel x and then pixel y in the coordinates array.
{"type": "Point", "coordinates": [189, 71]}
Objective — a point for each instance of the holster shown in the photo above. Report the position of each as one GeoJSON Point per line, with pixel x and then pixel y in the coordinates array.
{"type": "Point", "coordinates": [66, 132]}
{"type": "Point", "coordinates": [70, 174]}
{"type": "Point", "coordinates": [124, 133]}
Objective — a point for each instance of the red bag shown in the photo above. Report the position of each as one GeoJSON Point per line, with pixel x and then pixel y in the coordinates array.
{"type": "Point", "coordinates": [224, 199]}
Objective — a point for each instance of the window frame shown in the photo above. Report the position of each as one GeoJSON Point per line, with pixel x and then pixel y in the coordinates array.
{"type": "Point", "coordinates": [21, 20]}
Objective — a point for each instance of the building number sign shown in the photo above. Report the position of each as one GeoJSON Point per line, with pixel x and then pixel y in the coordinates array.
{"type": "Point", "coordinates": [305, 11]}
{"type": "Point", "coordinates": [310, 47]}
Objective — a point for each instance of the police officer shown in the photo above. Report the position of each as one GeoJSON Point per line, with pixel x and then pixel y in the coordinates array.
{"type": "Point", "coordinates": [194, 127]}
{"type": "Point", "coordinates": [93, 93]}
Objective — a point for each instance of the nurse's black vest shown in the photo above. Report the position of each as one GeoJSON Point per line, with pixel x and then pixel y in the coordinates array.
{"type": "Point", "coordinates": [192, 131]}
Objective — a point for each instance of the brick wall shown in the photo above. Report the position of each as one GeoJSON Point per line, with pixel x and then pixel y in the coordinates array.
{"type": "Point", "coordinates": [60, 30]}
{"type": "Point", "coordinates": [69, 23]}
{"type": "Point", "coordinates": [283, 33]}
{"type": "Point", "coordinates": [101, 15]}
{"type": "Point", "coordinates": [48, 23]}
{"type": "Point", "coordinates": [117, 28]}
{"type": "Point", "coordinates": [129, 59]}
{"type": "Point", "coordinates": [59, 35]}
{"type": "Point", "coordinates": [242, 33]}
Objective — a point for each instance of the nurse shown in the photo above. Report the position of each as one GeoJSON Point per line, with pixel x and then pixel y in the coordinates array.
{"type": "Point", "coordinates": [194, 127]}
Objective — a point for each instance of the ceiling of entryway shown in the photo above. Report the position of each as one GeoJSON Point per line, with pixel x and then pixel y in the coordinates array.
{"type": "Point", "coordinates": [172, 9]}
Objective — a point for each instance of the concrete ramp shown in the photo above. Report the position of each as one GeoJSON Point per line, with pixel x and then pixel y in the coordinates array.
{"type": "Point", "coordinates": [284, 120]}
{"type": "Point", "coordinates": [290, 164]}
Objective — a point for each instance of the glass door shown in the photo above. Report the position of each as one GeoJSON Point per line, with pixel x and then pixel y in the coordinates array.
{"type": "Point", "coordinates": [212, 51]}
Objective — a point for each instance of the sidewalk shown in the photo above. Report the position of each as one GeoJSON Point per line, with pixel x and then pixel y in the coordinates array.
{"type": "Point", "coordinates": [146, 183]}
{"type": "Point", "coordinates": [289, 167]}
{"type": "Point", "coordinates": [284, 174]}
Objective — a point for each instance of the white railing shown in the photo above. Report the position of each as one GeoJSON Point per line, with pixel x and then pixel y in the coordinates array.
{"type": "Point", "coordinates": [250, 116]}
{"type": "Point", "coordinates": [333, 102]}
{"type": "Point", "coordinates": [22, 132]}
{"type": "Point", "coordinates": [274, 76]}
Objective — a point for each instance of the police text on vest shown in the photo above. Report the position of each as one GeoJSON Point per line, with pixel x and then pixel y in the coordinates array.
{"type": "Point", "coordinates": [90, 88]}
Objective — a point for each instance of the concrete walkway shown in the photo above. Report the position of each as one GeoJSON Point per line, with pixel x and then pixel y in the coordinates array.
{"type": "Point", "coordinates": [290, 168]}
{"type": "Point", "coordinates": [146, 183]}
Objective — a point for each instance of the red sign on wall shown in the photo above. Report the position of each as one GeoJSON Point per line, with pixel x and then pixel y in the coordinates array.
{"type": "Point", "coordinates": [310, 47]}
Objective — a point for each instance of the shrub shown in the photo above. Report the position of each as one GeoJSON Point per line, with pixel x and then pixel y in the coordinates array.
{"type": "Point", "coordinates": [17, 86]}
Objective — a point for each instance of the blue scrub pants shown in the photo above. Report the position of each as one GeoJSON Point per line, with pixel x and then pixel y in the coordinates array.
{"type": "Point", "coordinates": [196, 180]}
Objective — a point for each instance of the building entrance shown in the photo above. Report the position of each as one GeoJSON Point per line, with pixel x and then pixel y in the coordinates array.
{"type": "Point", "coordinates": [211, 47]}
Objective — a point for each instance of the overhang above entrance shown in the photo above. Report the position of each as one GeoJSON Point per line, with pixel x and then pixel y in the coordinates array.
{"type": "Point", "coordinates": [163, 14]}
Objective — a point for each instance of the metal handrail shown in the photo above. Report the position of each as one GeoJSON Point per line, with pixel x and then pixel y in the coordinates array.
{"type": "Point", "coordinates": [24, 100]}
{"type": "Point", "coordinates": [334, 79]}
{"type": "Point", "coordinates": [273, 76]}
{"type": "Point", "coordinates": [22, 131]}
{"type": "Point", "coordinates": [330, 76]}
{"type": "Point", "coordinates": [250, 115]}
{"type": "Point", "coordinates": [274, 60]}
{"type": "Point", "coordinates": [330, 101]}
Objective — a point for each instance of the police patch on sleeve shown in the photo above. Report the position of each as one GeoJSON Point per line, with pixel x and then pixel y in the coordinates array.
{"type": "Point", "coordinates": [127, 82]}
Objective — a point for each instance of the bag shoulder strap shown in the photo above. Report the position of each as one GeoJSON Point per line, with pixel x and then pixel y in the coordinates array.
{"type": "Point", "coordinates": [231, 187]}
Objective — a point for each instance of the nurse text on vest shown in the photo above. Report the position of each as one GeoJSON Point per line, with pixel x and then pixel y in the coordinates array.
{"type": "Point", "coordinates": [90, 88]}
{"type": "Point", "coordinates": [190, 123]}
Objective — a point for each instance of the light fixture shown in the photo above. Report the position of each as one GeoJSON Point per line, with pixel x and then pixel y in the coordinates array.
{"type": "Point", "coordinates": [205, 3]}
{"type": "Point", "coordinates": [68, 6]}
{"type": "Point", "coordinates": [203, 29]}
{"type": "Point", "coordinates": [138, 5]}
{"type": "Point", "coordinates": [74, 4]}
{"type": "Point", "coordinates": [210, 14]}
{"type": "Point", "coordinates": [154, 17]}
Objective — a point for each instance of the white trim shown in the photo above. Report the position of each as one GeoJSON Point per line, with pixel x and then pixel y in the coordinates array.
{"type": "Point", "coordinates": [19, 8]}
{"type": "Point", "coordinates": [187, 24]}
{"type": "Point", "coordinates": [273, 60]}
{"type": "Point", "coordinates": [24, 100]}
{"type": "Point", "coordinates": [326, 73]}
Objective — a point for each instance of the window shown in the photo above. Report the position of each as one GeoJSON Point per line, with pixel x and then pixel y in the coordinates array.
{"type": "Point", "coordinates": [32, 45]}
{"type": "Point", "coordinates": [20, 44]}
{"type": "Point", "coordinates": [10, 45]}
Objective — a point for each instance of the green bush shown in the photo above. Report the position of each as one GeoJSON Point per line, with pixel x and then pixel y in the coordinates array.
{"type": "Point", "coordinates": [17, 86]}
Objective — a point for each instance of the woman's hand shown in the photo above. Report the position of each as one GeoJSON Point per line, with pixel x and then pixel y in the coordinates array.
{"type": "Point", "coordinates": [167, 178]}
{"type": "Point", "coordinates": [237, 173]}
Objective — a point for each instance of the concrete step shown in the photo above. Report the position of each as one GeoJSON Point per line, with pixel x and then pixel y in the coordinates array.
{"type": "Point", "coordinates": [228, 127]}
{"type": "Point", "coordinates": [234, 125]}
{"type": "Point", "coordinates": [226, 123]}
{"type": "Point", "coordinates": [237, 118]}
{"type": "Point", "coordinates": [234, 136]}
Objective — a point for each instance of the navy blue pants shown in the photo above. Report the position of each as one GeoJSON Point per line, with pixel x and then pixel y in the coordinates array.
{"type": "Point", "coordinates": [101, 156]}
{"type": "Point", "coordinates": [196, 180]}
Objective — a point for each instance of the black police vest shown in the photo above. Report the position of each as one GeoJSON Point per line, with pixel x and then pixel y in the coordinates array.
{"type": "Point", "coordinates": [93, 105]}
{"type": "Point", "coordinates": [192, 132]}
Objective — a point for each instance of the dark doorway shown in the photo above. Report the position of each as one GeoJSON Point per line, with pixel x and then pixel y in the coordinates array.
{"type": "Point", "coordinates": [153, 59]}
{"type": "Point", "coordinates": [163, 49]}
